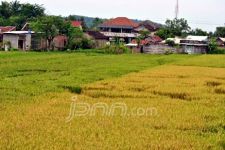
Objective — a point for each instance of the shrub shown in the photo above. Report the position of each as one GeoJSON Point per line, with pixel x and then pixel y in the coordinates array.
{"type": "Point", "coordinates": [73, 89]}
{"type": "Point", "coordinates": [81, 43]}
{"type": "Point", "coordinates": [170, 43]}
{"type": "Point", "coordinates": [212, 46]}
{"type": "Point", "coordinates": [116, 49]}
{"type": "Point", "coordinates": [217, 51]}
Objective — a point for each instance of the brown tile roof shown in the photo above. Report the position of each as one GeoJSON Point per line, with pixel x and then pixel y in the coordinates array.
{"type": "Point", "coordinates": [151, 26]}
{"type": "Point", "coordinates": [7, 28]}
{"type": "Point", "coordinates": [97, 35]}
{"type": "Point", "coordinates": [119, 22]}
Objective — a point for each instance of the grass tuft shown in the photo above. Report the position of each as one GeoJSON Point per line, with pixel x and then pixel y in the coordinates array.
{"type": "Point", "coordinates": [220, 91]}
{"type": "Point", "coordinates": [173, 95]}
{"type": "Point", "coordinates": [72, 89]}
{"type": "Point", "coordinates": [213, 83]}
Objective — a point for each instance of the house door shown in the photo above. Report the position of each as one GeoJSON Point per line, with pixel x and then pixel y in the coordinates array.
{"type": "Point", "coordinates": [20, 44]}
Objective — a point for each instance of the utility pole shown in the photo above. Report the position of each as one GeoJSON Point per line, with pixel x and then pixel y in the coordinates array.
{"type": "Point", "coordinates": [177, 10]}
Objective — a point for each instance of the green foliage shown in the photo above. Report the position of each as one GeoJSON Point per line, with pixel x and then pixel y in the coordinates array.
{"type": "Point", "coordinates": [170, 43]}
{"type": "Point", "coordinates": [220, 31]}
{"type": "Point", "coordinates": [144, 34]}
{"type": "Point", "coordinates": [212, 46]}
{"type": "Point", "coordinates": [97, 21]}
{"type": "Point", "coordinates": [176, 27]}
{"type": "Point", "coordinates": [81, 43]}
{"type": "Point", "coordinates": [198, 32]}
{"type": "Point", "coordinates": [49, 27]}
{"type": "Point", "coordinates": [15, 13]}
{"type": "Point", "coordinates": [164, 33]}
{"type": "Point", "coordinates": [116, 49]}
{"type": "Point", "coordinates": [76, 89]}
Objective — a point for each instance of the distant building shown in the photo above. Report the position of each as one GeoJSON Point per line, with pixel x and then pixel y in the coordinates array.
{"type": "Point", "coordinates": [195, 44]}
{"type": "Point", "coordinates": [220, 41]}
{"type": "Point", "coordinates": [120, 28]}
{"type": "Point", "coordinates": [99, 38]}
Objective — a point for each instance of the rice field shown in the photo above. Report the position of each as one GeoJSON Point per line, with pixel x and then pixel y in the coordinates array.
{"type": "Point", "coordinates": [172, 102]}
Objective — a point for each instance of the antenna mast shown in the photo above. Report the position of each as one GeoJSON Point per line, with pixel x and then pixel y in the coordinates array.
{"type": "Point", "coordinates": [177, 9]}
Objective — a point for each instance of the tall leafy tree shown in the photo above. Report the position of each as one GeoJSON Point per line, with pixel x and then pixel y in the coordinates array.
{"type": "Point", "coordinates": [178, 27]}
{"type": "Point", "coordinates": [48, 27]}
{"type": "Point", "coordinates": [220, 31]}
{"type": "Point", "coordinates": [198, 32]}
{"type": "Point", "coordinates": [15, 13]}
{"type": "Point", "coordinates": [97, 21]}
{"type": "Point", "coordinates": [175, 27]}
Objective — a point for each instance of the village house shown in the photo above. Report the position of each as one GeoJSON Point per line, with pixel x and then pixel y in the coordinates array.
{"type": "Point", "coordinates": [195, 44]}
{"type": "Point", "coordinates": [100, 39]}
{"type": "Point", "coordinates": [18, 40]}
{"type": "Point", "coordinates": [120, 28]}
{"type": "Point", "coordinates": [220, 41]}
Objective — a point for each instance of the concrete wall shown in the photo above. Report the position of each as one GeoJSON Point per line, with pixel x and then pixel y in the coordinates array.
{"type": "Point", "coordinates": [13, 39]}
{"type": "Point", "coordinates": [159, 49]}
{"type": "Point", "coordinates": [194, 49]}
{"type": "Point", "coordinates": [28, 42]}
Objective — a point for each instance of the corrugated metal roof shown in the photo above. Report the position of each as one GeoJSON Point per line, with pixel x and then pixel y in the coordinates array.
{"type": "Point", "coordinates": [19, 32]}
{"type": "Point", "coordinates": [222, 39]}
{"type": "Point", "coordinates": [197, 38]}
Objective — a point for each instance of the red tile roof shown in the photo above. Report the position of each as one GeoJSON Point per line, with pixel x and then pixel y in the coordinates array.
{"type": "Point", "coordinates": [76, 23]}
{"type": "Point", "coordinates": [119, 22]}
{"type": "Point", "coordinates": [7, 28]}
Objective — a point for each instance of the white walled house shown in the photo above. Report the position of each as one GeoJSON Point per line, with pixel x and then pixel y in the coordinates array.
{"type": "Point", "coordinates": [18, 39]}
{"type": "Point", "coordinates": [195, 44]}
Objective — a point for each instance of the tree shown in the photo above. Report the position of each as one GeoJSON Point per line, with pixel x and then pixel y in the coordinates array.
{"type": "Point", "coordinates": [83, 24]}
{"type": "Point", "coordinates": [14, 13]}
{"type": "Point", "coordinates": [74, 36]}
{"type": "Point", "coordinates": [48, 27]}
{"type": "Point", "coordinates": [5, 10]}
{"type": "Point", "coordinates": [198, 32]}
{"type": "Point", "coordinates": [212, 45]}
{"type": "Point", "coordinates": [220, 31]}
{"type": "Point", "coordinates": [175, 27]}
{"type": "Point", "coordinates": [178, 27]}
{"type": "Point", "coordinates": [97, 21]}
{"type": "Point", "coordinates": [144, 34]}
{"type": "Point", "coordinates": [165, 33]}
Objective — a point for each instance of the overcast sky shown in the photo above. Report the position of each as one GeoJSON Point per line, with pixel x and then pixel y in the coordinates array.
{"type": "Point", "coordinates": [205, 14]}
